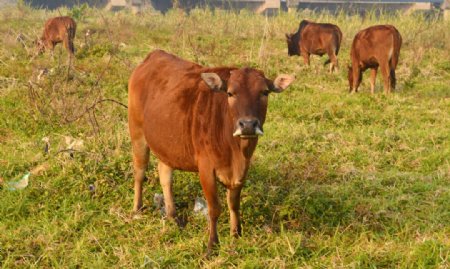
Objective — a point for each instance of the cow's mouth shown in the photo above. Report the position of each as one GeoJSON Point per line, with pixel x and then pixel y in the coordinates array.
{"type": "Point", "coordinates": [248, 136]}
{"type": "Point", "coordinates": [245, 133]}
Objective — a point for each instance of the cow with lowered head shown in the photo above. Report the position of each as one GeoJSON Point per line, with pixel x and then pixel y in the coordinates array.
{"type": "Point", "coordinates": [57, 30]}
{"type": "Point", "coordinates": [316, 38]}
{"type": "Point", "coordinates": [198, 119]}
{"type": "Point", "coordinates": [375, 47]}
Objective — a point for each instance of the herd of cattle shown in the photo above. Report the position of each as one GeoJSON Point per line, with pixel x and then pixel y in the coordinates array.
{"type": "Point", "coordinates": [208, 119]}
{"type": "Point", "coordinates": [373, 47]}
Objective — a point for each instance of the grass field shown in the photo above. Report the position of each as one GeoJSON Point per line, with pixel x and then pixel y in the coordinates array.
{"type": "Point", "coordinates": [338, 180]}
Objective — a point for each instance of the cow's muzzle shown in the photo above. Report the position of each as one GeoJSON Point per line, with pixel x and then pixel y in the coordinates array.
{"type": "Point", "coordinates": [248, 128]}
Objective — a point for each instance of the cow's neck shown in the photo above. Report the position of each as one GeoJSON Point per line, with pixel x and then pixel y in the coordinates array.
{"type": "Point", "coordinates": [234, 173]}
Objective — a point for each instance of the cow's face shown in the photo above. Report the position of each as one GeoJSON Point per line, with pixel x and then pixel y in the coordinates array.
{"type": "Point", "coordinates": [292, 45]}
{"type": "Point", "coordinates": [247, 93]}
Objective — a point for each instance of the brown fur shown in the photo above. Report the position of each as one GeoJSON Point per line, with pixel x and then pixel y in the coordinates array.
{"type": "Point", "coordinates": [57, 30]}
{"type": "Point", "coordinates": [189, 125]}
{"type": "Point", "coordinates": [373, 47]}
{"type": "Point", "coordinates": [316, 38]}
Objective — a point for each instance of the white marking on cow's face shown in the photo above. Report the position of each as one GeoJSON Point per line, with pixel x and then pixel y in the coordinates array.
{"type": "Point", "coordinates": [238, 133]}
{"type": "Point", "coordinates": [258, 131]}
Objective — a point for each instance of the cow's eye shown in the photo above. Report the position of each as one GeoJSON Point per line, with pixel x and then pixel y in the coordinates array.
{"type": "Point", "coordinates": [229, 94]}
{"type": "Point", "coordinates": [265, 93]}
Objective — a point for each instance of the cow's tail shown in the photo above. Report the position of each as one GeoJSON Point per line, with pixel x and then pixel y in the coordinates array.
{"type": "Point", "coordinates": [338, 37]}
{"type": "Point", "coordinates": [71, 30]}
{"type": "Point", "coordinates": [397, 43]}
{"type": "Point", "coordinates": [71, 45]}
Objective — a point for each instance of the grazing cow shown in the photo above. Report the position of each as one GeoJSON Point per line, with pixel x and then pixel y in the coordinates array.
{"type": "Point", "coordinates": [316, 38]}
{"type": "Point", "coordinates": [373, 47]}
{"type": "Point", "coordinates": [57, 30]}
{"type": "Point", "coordinates": [199, 119]}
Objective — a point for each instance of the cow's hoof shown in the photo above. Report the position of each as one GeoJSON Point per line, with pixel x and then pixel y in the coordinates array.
{"type": "Point", "coordinates": [181, 221]}
{"type": "Point", "coordinates": [138, 209]}
{"type": "Point", "coordinates": [211, 252]}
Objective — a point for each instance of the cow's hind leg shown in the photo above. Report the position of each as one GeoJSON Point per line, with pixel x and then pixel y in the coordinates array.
{"type": "Point", "coordinates": [386, 72]}
{"type": "Point", "coordinates": [234, 199]}
{"type": "Point", "coordinates": [333, 61]}
{"type": "Point", "coordinates": [166, 181]}
{"type": "Point", "coordinates": [141, 154]}
{"type": "Point", "coordinates": [357, 75]}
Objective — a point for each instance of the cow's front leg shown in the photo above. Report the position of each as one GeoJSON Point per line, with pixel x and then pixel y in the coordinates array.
{"type": "Point", "coordinates": [386, 72]}
{"type": "Point", "coordinates": [373, 77]}
{"type": "Point", "coordinates": [305, 56]}
{"type": "Point", "coordinates": [209, 187]}
{"type": "Point", "coordinates": [234, 201]}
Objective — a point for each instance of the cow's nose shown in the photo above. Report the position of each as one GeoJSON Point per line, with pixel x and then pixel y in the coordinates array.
{"type": "Point", "coordinates": [248, 124]}
{"type": "Point", "coordinates": [248, 127]}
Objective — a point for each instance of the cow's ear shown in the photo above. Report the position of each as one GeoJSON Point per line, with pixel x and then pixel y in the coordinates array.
{"type": "Point", "coordinates": [213, 81]}
{"type": "Point", "coordinates": [281, 83]}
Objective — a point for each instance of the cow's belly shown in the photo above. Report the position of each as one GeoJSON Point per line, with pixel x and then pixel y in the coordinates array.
{"type": "Point", "coordinates": [319, 51]}
{"type": "Point", "coordinates": [171, 151]}
{"type": "Point", "coordinates": [168, 136]}
{"type": "Point", "coordinates": [370, 62]}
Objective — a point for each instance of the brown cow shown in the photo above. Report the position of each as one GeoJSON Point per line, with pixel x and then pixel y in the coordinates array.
{"type": "Point", "coordinates": [316, 38]}
{"type": "Point", "coordinates": [373, 47]}
{"type": "Point", "coordinates": [57, 30]}
{"type": "Point", "coordinates": [199, 119]}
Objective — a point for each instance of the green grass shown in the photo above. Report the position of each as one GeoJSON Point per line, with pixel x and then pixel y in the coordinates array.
{"type": "Point", "coordinates": [338, 181]}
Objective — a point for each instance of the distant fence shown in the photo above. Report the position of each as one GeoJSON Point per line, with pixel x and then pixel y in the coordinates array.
{"type": "Point", "coordinates": [258, 6]}
{"type": "Point", "coordinates": [364, 5]}
{"type": "Point", "coordinates": [295, 2]}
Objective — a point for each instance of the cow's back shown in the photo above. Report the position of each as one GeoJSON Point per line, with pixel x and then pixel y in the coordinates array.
{"type": "Point", "coordinates": [380, 42]}
{"type": "Point", "coordinates": [318, 36]}
{"type": "Point", "coordinates": [56, 28]}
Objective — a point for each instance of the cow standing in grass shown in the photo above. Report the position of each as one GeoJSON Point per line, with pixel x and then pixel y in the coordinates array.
{"type": "Point", "coordinates": [373, 47]}
{"type": "Point", "coordinates": [198, 119]}
{"type": "Point", "coordinates": [57, 30]}
{"type": "Point", "coordinates": [318, 39]}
